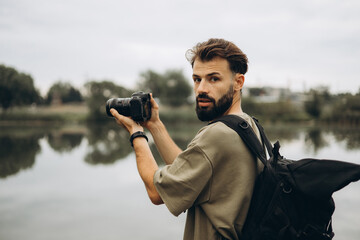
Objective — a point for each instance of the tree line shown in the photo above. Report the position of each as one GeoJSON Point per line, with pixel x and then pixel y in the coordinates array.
{"type": "Point", "coordinates": [172, 88]}
{"type": "Point", "coordinates": [18, 89]}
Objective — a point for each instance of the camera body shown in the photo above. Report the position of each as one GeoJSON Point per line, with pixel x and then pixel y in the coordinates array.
{"type": "Point", "coordinates": [138, 106]}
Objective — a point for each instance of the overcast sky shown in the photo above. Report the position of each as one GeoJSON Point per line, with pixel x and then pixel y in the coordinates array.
{"type": "Point", "coordinates": [296, 44]}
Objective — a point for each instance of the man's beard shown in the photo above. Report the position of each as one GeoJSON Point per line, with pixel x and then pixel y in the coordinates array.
{"type": "Point", "coordinates": [217, 109]}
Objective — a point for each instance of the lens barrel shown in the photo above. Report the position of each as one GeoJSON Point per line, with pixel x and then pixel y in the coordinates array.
{"type": "Point", "coordinates": [138, 107]}
{"type": "Point", "coordinates": [122, 105]}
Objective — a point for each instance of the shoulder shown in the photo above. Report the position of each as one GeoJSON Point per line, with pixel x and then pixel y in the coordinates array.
{"type": "Point", "coordinates": [214, 135]}
{"type": "Point", "coordinates": [218, 133]}
{"type": "Point", "coordinates": [217, 141]}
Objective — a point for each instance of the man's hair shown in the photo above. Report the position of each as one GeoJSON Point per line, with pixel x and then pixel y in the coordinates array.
{"type": "Point", "coordinates": [214, 47]}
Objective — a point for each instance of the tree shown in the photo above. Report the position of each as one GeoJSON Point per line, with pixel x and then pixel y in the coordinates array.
{"type": "Point", "coordinates": [178, 89]}
{"type": "Point", "coordinates": [346, 108]}
{"type": "Point", "coordinates": [314, 104]}
{"type": "Point", "coordinates": [171, 88]}
{"type": "Point", "coordinates": [153, 82]}
{"type": "Point", "coordinates": [317, 98]}
{"type": "Point", "coordinates": [63, 92]}
{"type": "Point", "coordinates": [97, 95]}
{"type": "Point", "coordinates": [16, 88]}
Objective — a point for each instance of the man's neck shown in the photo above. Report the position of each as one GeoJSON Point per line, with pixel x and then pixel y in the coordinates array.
{"type": "Point", "coordinates": [233, 110]}
{"type": "Point", "coordinates": [235, 107]}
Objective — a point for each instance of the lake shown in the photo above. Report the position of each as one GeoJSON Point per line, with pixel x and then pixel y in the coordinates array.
{"type": "Point", "coordinates": [81, 182]}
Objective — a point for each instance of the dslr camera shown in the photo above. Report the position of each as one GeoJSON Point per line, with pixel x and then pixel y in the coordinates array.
{"type": "Point", "coordinates": [138, 106]}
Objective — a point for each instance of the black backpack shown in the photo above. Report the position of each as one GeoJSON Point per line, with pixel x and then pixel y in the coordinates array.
{"type": "Point", "coordinates": [291, 199]}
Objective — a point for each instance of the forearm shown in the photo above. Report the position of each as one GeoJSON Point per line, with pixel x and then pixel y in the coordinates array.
{"type": "Point", "coordinates": [164, 143]}
{"type": "Point", "coordinates": [144, 159]}
{"type": "Point", "coordinates": [147, 167]}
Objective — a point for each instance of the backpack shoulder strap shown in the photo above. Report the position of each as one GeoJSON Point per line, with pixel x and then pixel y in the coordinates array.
{"type": "Point", "coordinates": [264, 138]}
{"type": "Point", "coordinates": [246, 133]}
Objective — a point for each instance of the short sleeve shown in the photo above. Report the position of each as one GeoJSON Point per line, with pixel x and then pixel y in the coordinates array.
{"type": "Point", "coordinates": [181, 183]}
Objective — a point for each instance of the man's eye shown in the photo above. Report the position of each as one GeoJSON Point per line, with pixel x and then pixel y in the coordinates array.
{"type": "Point", "coordinates": [214, 79]}
{"type": "Point", "coordinates": [197, 80]}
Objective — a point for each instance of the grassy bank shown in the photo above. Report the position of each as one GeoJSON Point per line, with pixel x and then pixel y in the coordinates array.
{"type": "Point", "coordinates": [181, 115]}
{"type": "Point", "coordinates": [267, 113]}
{"type": "Point", "coordinates": [45, 114]}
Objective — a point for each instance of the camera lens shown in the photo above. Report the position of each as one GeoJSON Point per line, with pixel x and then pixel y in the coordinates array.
{"type": "Point", "coordinates": [122, 105]}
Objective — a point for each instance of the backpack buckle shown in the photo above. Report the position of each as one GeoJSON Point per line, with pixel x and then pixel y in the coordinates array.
{"type": "Point", "coordinates": [311, 232]}
{"type": "Point", "coordinates": [243, 124]}
{"type": "Point", "coordinates": [286, 188]}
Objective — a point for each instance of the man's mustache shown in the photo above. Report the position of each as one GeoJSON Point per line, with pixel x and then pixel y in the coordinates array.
{"type": "Point", "coordinates": [204, 96]}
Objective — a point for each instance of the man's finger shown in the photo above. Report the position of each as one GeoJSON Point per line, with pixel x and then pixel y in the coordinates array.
{"type": "Point", "coordinates": [125, 121]}
{"type": "Point", "coordinates": [115, 113]}
{"type": "Point", "coordinates": [153, 102]}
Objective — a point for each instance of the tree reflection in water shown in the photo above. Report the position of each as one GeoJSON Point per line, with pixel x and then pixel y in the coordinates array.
{"type": "Point", "coordinates": [17, 153]}
{"type": "Point", "coordinates": [64, 141]}
{"type": "Point", "coordinates": [350, 136]}
{"type": "Point", "coordinates": [108, 143]}
{"type": "Point", "coordinates": [314, 140]}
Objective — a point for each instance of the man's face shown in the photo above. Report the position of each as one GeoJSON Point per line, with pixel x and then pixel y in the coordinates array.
{"type": "Point", "coordinates": [213, 85]}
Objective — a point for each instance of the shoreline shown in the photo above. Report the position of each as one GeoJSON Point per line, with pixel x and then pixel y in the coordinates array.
{"type": "Point", "coordinates": [79, 114]}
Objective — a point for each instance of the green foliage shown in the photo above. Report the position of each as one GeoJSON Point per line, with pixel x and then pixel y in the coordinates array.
{"type": "Point", "coordinates": [64, 92]}
{"type": "Point", "coordinates": [97, 95]}
{"type": "Point", "coordinates": [256, 91]}
{"type": "Point", "coordinates": [152, 81]}
{"type": "Point", "coordinates": [273, 111]}
{"type": "Point", "coordinates": [16, 88]}
{"type": "Point", "coordinates": [317, 99]}
{"type": "Point", "coordinates": [314, 104]}
{"type": "Point", "coordinates": [171, 88]}
{"type": "Point", "coordinates": [345, 109]}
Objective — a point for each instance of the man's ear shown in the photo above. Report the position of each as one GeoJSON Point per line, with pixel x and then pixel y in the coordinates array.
{"type": "Point", "coordinates": [239, 81]}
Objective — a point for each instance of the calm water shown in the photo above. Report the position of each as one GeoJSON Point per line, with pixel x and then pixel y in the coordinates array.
{"type": "Point", "coordinates": [81, 182]}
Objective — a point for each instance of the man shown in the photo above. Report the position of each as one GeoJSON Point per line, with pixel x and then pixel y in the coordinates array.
{"type": "Point", "coordinates": [213, 178]}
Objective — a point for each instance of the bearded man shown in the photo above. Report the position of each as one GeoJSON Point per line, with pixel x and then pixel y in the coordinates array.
{"type": "Point", "coordinates": [213, 179]}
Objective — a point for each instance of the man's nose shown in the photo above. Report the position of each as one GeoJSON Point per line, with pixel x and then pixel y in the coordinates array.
{"type": "Point", "coordinates": [203, 87]}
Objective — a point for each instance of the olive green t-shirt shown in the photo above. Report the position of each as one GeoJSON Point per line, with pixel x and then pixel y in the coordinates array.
{"type": "Point", "coordinates": [213, 180]}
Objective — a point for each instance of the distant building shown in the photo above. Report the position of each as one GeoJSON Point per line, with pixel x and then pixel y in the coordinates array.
{"type": "Point", "coordinates": [272, 94]}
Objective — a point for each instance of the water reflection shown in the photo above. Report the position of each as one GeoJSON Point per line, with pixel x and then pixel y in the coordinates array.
{"type": "Point", "coordinates": [108, 143]}
{"type": "Point", "coordinates": [315, 140]}
{"type": "Point", "coordinates": [282, 132]}
{"type": "Point", "coordinates": [64, 141]}
{"type": "Point", "coordinates": [65, 174]}
{"type": "Point", "coordinates": [351, 137]}
{"type": "Point", "coordinates": [17, 153]}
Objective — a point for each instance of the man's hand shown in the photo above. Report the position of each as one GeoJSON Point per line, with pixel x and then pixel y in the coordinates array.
{"type": "Point", "coordinates": [145, 161]}
{"type": "Point", "coordinates": [155, 119]}
{"type": "Point", "coordinates": [126, 122]}
{"type": "Point", "coordinates": [164, 143]}
{"type": "Point", "coordinates": [131, 126]}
